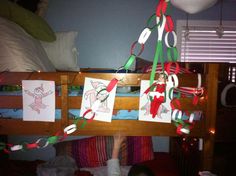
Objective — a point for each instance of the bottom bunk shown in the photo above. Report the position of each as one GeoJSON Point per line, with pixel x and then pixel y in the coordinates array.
{"type": "Point", "coordinates": [183, 158]}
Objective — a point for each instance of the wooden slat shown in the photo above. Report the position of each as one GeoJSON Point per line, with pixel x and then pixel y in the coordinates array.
{"type": "Point", "coordinates": [64, 101]}
{"type": "Point", "coordinates": [20, 127]}
{"type": "Point", "coordinates": [133, 103]}
{"type": "Point", "coordinates": [211, 109]}
{"type": "Point", "coordinates": [133, 128]}
{"type": "Point", "coordinates": [131, 79]}
{"type": "Point", "coordinates": [77, 78]}
{"type": "Point", "coordinates": [15, 102]}
{"type": "Point", "coordinates": [127, 127]}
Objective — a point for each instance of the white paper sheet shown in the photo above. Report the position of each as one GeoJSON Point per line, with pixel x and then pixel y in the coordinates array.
{"type": "Point", "coordinates": [92, 94]}
{"type": "Point", "coordinates": [38, 100]}
{"type": "Point", "coordinates": [164, 111]}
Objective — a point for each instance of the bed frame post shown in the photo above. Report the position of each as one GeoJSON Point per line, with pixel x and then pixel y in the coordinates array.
{"type": "Point", "coordinates": [211, 109]}
{"type": "Point", "coordinates": [64, 101]}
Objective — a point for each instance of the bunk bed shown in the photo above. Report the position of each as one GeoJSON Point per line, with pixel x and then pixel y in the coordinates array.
{"type": "Point", "coordinates": [203, 129]}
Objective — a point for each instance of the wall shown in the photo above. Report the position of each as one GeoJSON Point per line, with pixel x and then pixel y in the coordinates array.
{"type": "Point", "coordinates": [107, 28]}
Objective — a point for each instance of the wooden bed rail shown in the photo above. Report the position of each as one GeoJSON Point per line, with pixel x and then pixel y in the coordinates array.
{"type": "Point", "coordinates": [64, 102]}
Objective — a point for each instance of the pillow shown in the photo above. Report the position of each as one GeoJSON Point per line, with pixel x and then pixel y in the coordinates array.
{"type": "Point", "coordinates": [62, 52]}
{"type": "Point", "coordinates": [19, 51]}
{"type": "Point", "coordinates": [33, 24]}
{"type": "Point", "coordinates": [95, 151]}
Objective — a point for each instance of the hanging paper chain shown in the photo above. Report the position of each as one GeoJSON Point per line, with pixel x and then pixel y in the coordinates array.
{"type": "Point", "coordinates": [163, 22]}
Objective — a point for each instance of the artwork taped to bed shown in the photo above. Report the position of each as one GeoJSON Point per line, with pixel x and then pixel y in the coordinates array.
{"type": "Point", "coordinates": [163, 113]}
{"type": "Point", "coordinates": [38, 100]}
{"type": "Point", "coordinates": [98, 100]}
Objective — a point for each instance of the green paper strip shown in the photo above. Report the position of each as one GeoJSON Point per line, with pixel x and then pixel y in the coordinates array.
{"type": "Point", "coordinates": [2, 146]}
{"type": "Point", "coordinates": [76, 120]}
{"type": "Point", "coordinates": [155, 61]}
{"type": "Point", "coordinates": [129, 62]}
{"type": "Point", "coordinates": [84, 123]}
{"type": "Point", "coordinates": [149, 21]}
{"type": "Point", "coordinates": [52, 139]}
{"type": "Point", "coordinates": [172, 91]}
{"type": "Point", "coordinates": [172, 54]}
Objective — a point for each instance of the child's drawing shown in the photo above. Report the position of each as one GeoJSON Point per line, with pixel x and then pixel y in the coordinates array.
{"type": "Point", "coordinates": [153, 105]}
{"type": "Point", "coordinates": [97, 98]}
{"type": "Point", "coordinates": [38, 94]}
{"type": "Point", "coordinates": [38, 100]}
{"type": "Point", "coordinates": [97, 93]}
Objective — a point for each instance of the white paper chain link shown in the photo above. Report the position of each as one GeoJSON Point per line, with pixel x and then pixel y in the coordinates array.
{"type": "Point", "coordinates": [70, 129]}
{"type": "Point", "coordinates": [16, 147]}
{"type": "Point", "coordinates": [174, 113]}
{"type": "Point", "coordinates": [174, 38]}
{"type": "Point", "coordinates": [144, 36]}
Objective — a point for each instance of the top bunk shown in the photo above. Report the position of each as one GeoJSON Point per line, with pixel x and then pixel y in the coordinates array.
{"type": "Point", "coordinates": [130, 127]}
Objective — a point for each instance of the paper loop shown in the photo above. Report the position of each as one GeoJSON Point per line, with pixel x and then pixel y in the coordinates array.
{"type": "Point", "coordinates": [191, 118]}
{"type": "Point", "coordinates": [16, 147]}
{"type": "Point", "coordinates": [70, 129]}
{"type": "Point", "coordinates": [161, 8]}
{"type": "Point", "coordinates": [29, 146]}
{"type": "Point", "coordinates": [173, 78]}
{"type": "Point", "coordinates": [177, 102]}
{"type": "Point", "coordinates": [133, 47]}
{"type": "Point", "coordinates": [161, 27]}
{"type": "Point", "coordinates": [198, 92]}
{"type": "Point", "coordinates": [169, 27]}
{"type": "Point", "coordinates": [150, 19]}
{"type": "Point", "coordinates": [112, 84]}
{"type": "Point", "coordinates": [171, 92]}
{"type": "Point", "coordinates": [185, 130]}
{"type": "Point", "coordinates": [128, 63]}
{"type": "Point", "coordinates": [199, 78]}
{"type": "Point", "coordinates": [174, 38]}
{"type": "Point", "coordinates": [144, 36]}
{"type": "Point", "coordinates": [40, 143]}
{"type": "Point", "coordinates": [52, 139]}
{"type": "Point", "coordinates": [172, 54]}
{"type": "Point", "coordinates": [2, 145]}
{"type": "Point", "coordinates": [176, 114]}
{"type": "Point", "coordinates": [99, 95]}
{"type": "Point", "coordinates": [92, 116]}
{"type": "Point", "coordinates": [119, 69]}
{"type": "Point", "coordinates": [168, 67]}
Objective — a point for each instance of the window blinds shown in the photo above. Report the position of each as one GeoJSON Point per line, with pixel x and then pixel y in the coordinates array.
{"type": "Point", "coordinates": [202, 44]}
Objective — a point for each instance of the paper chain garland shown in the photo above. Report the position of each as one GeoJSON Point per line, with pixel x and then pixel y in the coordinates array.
{"type": "Point", "coordinates": [163, 22]}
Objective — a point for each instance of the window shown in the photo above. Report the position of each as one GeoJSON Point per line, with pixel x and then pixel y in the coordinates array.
{"type": "Point", "coordinates": [202, 44]}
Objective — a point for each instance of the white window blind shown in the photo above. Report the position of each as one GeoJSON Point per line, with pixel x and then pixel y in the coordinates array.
{"type": "Point", "coordinates": [202, 44]}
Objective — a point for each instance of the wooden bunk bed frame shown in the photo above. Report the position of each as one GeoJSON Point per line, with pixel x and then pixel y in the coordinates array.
{"type": "Point", "coordinates": [203, 129]}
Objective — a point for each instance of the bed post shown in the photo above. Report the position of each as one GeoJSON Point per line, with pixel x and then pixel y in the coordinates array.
{"type": "Point", "coordinates": [64, 101]}
{"type": "Point", "coordinates": [211, 109]}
